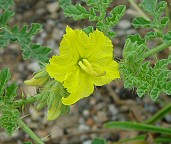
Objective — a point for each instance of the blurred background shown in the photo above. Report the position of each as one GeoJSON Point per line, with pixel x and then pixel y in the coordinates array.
{"type": "Point", "coordinates": [108, 103]}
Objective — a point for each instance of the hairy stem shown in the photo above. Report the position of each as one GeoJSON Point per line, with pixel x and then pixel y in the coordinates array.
{"type": "Point", "coordinates": [159, 115]}
{"type": "Point", "coordinates": [26, 101]}
{"type": "Point", "coordinates": [29, 131]}
{"type": "Point", "coordinates": [157, 49]}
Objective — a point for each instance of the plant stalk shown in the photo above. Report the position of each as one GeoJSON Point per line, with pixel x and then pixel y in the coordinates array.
{"type": "Point", "coordinates": [159, 115]}
{"type": "Point", "coordinates": [28, 100]}
{"type": "Point", "coordinates": [157, 49]}
{"type": "Point", "coordinates": [29, 131]}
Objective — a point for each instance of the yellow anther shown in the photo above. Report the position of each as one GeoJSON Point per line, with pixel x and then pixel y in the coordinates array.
{"type": "Point", "coordinates": [88, 68]}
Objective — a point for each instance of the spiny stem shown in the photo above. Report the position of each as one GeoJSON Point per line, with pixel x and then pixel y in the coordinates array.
{"type": "Point", "coordinates": [157, 49]}
{"type": "Point", "coordinates": [160, 114]}
{"type": "Point", "coordinates": [29, 131]}
{"type": "Point", "coordinates": [28, 100]}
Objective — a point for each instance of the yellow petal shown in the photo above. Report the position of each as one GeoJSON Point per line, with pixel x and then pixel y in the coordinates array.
{"type": "Point", "coordinates": [74, 44]}
{"type": "Point", "coordinates": [111, 69]}
{"type": "Point", "coordinates": [60, 67]}
{"type": "Point", "coordinates": [80, 85]}
{"type": "Point", "coordinates": [100, 42]}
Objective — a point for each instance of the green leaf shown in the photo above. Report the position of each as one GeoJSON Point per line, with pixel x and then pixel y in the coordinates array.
{"type": "Point", "coordinates": [11, 91]}
{"type": "Point", "coordinates": [77, 11]}
{"type": "Point", "coordinates": [4, 39]}
{"type": "Point", "coordinates": [6, 4]}
{"type": "Point", "coordinates": [115, 15]}
{"type": "Point", "coordinates": [142, 90]}
{"type": "Point", "coordinates": [88, 29]}
{"type": "Point", "coordinates": [161, 6]}
{"type": "Point", "coordinates": [64, 3]}
{"type": "Point", "coordinates": [155, 93]}
{"type": "Point", "coordinates": [98, 141]}
{"type": "Point", "coordinates": [152, 35]}
{"type": "Point", "coordinates": [149, 6]}
{"type": "Point", "coordinates": [164, 22]}
{"type": "Point", "coordinates": [8, 119]}
{"type": "Point", "coordinates": [30, 50]}
{"type": "Point", "coordinates": [138, 126]}
{"type": "Point", "coordinates": [5, 17]}
{"type": "Point", "coordinates": [141, 22]}
{"type": "Point", "coordinates": [4, 77]}
{"type": "Point", "coordinates": [136, 38]}
{"type": "Point", "coordinates": [167, 36]}
{"type": "Point", "coordinates": [35, 51]}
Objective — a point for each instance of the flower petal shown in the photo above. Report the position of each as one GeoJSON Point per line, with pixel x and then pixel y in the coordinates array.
{"type": "Point", "coordinates": [74, 43]}
{"type": "Point", "coordinates": [111, 69]}
{"type": "Point", "coordinates": [100, 42]}
{"type": "Point", "coordinates": [60, 67]}
{"type": "Point", "coordinates": [79, 84]}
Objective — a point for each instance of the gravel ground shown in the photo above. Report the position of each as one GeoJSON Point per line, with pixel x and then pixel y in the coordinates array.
{"type": "Point", "coordinates": [86, 119]}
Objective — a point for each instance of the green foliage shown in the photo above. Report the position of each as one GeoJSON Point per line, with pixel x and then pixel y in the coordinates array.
{"type": "Point", "coordinates": [64, 3]}
{"type": "Point", "coordinates": [77, 11]}
{"type": "Point", "coordinates": [139, 74]}
{"type": "Point", "coordinates": [96, 12]}
{"type": "Point", "coordinates": [23, 36]}
{"type": "Point", "coordinates": [6, 4]}
{"type": "Point", "coordinates": [158, 21]}
{"type": "Point", "coordinates": [7, 94]}
{"type": "Point", "coordinates": [99, 141]}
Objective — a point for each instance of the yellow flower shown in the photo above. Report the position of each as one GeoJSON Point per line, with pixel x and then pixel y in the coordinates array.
{"type": "Point", "coordinates": [84, 61]}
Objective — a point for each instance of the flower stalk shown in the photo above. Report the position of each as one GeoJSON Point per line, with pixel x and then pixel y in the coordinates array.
{"type": "Point", "coordinates": [26, 101]}
{"type": "Point", "coordinates": [29, 131]}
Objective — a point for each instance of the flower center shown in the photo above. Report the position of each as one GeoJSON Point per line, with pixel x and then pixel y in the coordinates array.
{"type": "Point", "coordinates": [88, 68]}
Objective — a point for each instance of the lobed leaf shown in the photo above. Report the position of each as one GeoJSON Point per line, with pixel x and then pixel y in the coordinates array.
{"type": "Point", "coordinates": [152, 35]}
{"type": "Point", "coordinates": [5, 17]}
{"type": "Point", "coordinates": [115, 15]}
{"type": "Point", "coordinates": [6, 4]}
{"type": "Point", "coordinates": [4, 77]}
{"type": "Point", "coordinates": [149, 6]}
{"type": "Point", "coordinates": [141, 22]}
{"type": "Point", "coordinates": [11, 91]}
{"type": "Point", "coordinates": [64, 3]}
{"type": "Point", "coordinates": [77, 11]}
{"type": "Point", "coordinates": [30, 50]}
{"type": "Point", "coordinates": [164, 22]}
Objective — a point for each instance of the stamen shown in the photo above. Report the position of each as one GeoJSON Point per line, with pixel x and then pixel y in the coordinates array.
{"type": "Point", "coordinates": [88, 68]}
